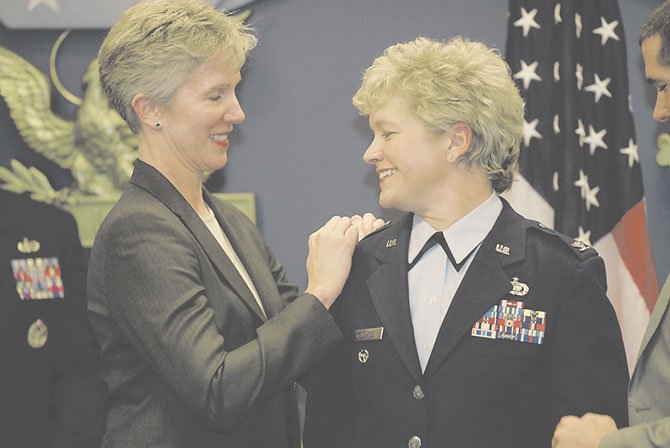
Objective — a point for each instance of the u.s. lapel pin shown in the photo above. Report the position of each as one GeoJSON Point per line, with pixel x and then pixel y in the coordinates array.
{"type": "Point", "coordinates": [27, 246]}
{"type": "Point", "coordinates": [518, 288]}
{"type": "Point", "coordinates": [391, 243]}
{"type": "Point", "coordinates": [502, 249]}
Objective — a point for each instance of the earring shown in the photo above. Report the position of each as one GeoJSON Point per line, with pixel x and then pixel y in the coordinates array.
{"type": "Point", "coordinates": [450, 158]}
{"type": "Point", "coordinates": [158, 125]}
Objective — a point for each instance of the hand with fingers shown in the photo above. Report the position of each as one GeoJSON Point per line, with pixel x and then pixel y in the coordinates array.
{"type": "Point", "coordinates": [329, 259]}
{"type": "Point", "coordinates": [366, 224]}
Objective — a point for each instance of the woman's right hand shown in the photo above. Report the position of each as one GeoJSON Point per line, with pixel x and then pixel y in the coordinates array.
{"type": "Point", "coordinates": [329, 260]}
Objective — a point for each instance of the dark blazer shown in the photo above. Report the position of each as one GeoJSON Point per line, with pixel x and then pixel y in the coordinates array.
{"type": "Point", "coordinates": [475, 392]}
{"type": "Point", "coordinates": [189, 358]}
{"type": "Point", "coordinates": [50, 394]}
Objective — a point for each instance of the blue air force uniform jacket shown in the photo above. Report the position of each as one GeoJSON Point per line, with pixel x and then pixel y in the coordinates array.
{"type": "Point", "coordinates": [487, 382]}
{"type": "Point", "coordinates": [50, 394]}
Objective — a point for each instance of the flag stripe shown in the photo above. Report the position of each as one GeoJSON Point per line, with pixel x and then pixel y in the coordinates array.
{"type": "Point", "coordinates": [635, 250]}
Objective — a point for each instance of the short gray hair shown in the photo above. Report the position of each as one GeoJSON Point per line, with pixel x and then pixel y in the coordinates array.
{"type": "Point", "coordinates": [156, 44]}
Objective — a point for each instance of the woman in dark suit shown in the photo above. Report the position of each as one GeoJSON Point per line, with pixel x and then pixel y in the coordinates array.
{"type": "Point", "coordinates": [202, 337]}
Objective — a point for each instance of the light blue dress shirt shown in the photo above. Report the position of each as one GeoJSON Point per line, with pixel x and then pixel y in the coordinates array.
{"type": "Point", "coordinates": [433, 281]}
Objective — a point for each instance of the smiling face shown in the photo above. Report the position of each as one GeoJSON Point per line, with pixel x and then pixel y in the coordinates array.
{"type": "Point", "coordinates": [410, 160]}
{"type": "Point", "coordinates": [658, 75]}
{"type": "Point", "coordinates": [195, 125]}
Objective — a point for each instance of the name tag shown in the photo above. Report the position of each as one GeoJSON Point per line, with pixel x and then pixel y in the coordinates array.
{"type": "Point", "coordinates": [368, 334]}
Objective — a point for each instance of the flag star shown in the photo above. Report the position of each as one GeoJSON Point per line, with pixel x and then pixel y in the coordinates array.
{"type": "Point", "coordinates": [578, 25]}
{"type": "Point", "coordinates": [584, 236]}
{"type": "Point", "coordinates": [582, 183]}
{"type": "Point", "coordinates": [527, 21]}
{"type": "Point", "coordinates": [592, 198]}
{"type": "Point", "coordinates": [606, 30]}
{"type": "Point", "coordinates": [580, 131]}
{"type": "Point", "coordinates": [595, 139]}
{"type": "Point", "coordinates": [599, 87]}
{"type": "Point", "coordinates": [53, 4]}
{"type": "Point", "coordinates": [579, 73]}
{"type": "Point", "coordinates": [557, 127]}
{"type": "Point", "coordinates": [527, 74]}
{"type": "Point", "coordinates": [530, 131]}
{"type": "Point", "coordinates": [557, 14]}
{"type": "Point", "coordinates": [557, 76]}
{"type": "Point", "coordinates": [555, 181]}
{"type": "Point", "coordinates": [631, 152]}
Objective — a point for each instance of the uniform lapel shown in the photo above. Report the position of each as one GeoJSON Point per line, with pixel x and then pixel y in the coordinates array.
{"type": "Point", "coordinates": [151, 180]}
{"type": "Point", "coordinates": [485, 284]}
{"type": "Point", "coordinates": [389, 292]}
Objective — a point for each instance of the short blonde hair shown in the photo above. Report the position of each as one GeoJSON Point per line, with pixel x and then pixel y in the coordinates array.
{"type": "Point", "coordinates": [458, 82]}
{"type": "Point", "coordinates": [155, 45]}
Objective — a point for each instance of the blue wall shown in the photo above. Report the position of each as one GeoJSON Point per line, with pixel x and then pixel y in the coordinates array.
{"type": "Point", "coordinates": [300, 149]}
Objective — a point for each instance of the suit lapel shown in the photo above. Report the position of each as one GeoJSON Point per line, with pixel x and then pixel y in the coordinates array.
{"type": "Point", "coordinates": [485, 284]}
{"type": "Point", "coordinates": [655, 319]}
{"type": "Point", "coordinates": [389, 292]}
{"type": "Point", "coordinates": [151, 180]}
{"type": "Point", "coordinates": [251, 257]}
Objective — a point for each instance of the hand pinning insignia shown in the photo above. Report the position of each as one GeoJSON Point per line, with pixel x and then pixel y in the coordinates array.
{"type": "Point", "coordinates": [518, 288]}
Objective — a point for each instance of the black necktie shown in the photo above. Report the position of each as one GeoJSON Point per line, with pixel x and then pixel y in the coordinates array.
{"type": "Point", "coordinates": [438, 238]}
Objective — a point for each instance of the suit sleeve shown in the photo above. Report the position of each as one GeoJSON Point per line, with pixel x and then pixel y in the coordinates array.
{"type": "Point", "coordinates": [648, 435]}
{"type": "Point", "coordinates": [330, 409]}
{"type": "Point", "coordinates": [77, 391]}
{"type": "Point", "coordinates": [588, 366]}
{"type": "Point", "coordinates": [155, 295]}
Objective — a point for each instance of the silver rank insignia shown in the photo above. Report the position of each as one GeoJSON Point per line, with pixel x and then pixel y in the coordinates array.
{"type": "Point", "coordinates": [581, 245]}
{"type": "Point", "coordinates": [391, 243]}
{"type": "Point", "coordinates": [363, 356]}
{"type": "Point", "coordinates": [518, 288]}
{"type": "Point", "coordinates": [27, 246]}
{"type": "Point", "coordinates": [502, 249]}
{"type": "Point", "coordinates": [38, 333]}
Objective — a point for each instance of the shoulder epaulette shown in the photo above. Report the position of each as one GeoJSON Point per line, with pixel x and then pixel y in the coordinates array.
{"type": "Point", "coordinates": [374, 232]}
{"type": "Point", "coordinates": [577, 246]}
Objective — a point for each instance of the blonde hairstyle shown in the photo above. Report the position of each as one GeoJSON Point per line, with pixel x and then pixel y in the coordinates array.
{"type": "Point", "coordinates": [156, 44]}
{"type": "Point", "coordinates": [458, 82]}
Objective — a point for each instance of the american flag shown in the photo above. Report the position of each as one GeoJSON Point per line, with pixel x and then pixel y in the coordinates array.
{"type": "Point", "coordinates": [580, 169]}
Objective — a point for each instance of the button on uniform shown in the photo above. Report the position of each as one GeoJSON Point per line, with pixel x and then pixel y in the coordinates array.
{"type": "Point", "coordinates": [414, 442]}
{"type": "Point", "coordinates": [418, 392]}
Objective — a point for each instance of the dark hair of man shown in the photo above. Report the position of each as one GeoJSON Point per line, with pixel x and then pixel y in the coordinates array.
{"type": "Point", "coordinates": [658, 23]}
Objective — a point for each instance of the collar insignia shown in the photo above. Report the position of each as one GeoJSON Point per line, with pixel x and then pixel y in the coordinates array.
{"type": "Point", "coordinates": [502, 249]}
